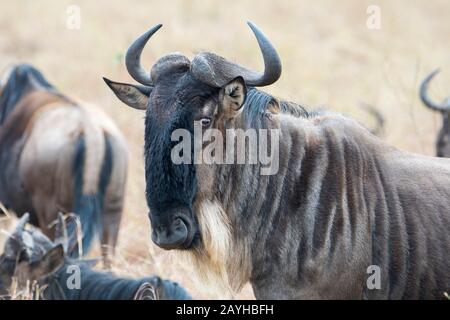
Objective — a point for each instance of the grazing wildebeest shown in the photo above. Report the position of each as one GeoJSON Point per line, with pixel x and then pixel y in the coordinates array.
{"type": "Point", "coordinates": [30, 257]}
{"type": "Point", "coordinates": [343, 210]}
{"type": "Point", "coordinates": [443, 139]}
{"type": "Point", "coordinates": [57, 154]}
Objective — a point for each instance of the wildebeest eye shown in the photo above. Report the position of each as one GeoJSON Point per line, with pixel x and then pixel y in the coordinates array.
{"type": "Point", "coordinates": [205, 122]}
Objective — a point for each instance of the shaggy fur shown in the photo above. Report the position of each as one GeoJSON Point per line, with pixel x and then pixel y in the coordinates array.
{"type": "Point", "coordinates": [342, 200]}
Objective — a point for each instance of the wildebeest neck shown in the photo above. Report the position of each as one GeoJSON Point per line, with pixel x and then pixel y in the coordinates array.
{"type": "Point", "coordinates": [258, 103]}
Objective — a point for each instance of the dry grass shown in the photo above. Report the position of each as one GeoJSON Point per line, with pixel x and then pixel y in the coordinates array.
{"type": "Point", "coordinates": [330, 59]}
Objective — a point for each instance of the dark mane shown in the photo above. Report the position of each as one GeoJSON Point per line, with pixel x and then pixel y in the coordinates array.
{"type": "Point", "coordinates": [259, 102]}
{"type": "Point", "coordinates": [22, 80]}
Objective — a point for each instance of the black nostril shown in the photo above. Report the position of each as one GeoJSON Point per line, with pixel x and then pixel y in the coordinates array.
{"type": "Point", "coordinates": [179, 223]}
{"type": "Point", "coordinates": [171, 236]}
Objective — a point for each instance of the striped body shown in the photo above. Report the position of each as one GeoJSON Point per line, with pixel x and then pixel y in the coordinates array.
{"type": "Point", "coordinates": [342, 201]}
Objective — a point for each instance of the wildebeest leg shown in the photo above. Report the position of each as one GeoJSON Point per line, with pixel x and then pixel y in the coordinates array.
{"type": "Point", "coordinates": [46, 210]}
{"type": "Point", "coordinates": [112, 215]}
{"type": "Point", "coordinates": [113, 202]}
{"type": "Point", "coordinates": [110, 233]}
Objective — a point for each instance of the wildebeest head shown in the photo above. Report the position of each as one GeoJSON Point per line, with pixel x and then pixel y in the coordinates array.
{"type": "Point", "coordinates": [28, 256]}
{"type": "Point", "coordinates": [443, 140]}
{"type": "Point", "coordinates": [177, 92]}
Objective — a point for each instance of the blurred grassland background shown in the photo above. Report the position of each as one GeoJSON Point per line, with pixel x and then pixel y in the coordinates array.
{"type": "Point", "coordinates": [330, 59]}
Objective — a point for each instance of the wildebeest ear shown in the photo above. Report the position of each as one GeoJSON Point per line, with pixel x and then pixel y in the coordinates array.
{"type": "Point", "coordinates": [49, 263]}
{"type": "Point", "coordinates": [135, 96]}
{"type": "Point", "coordinates": [61, 236]}
{"type": "Point", "coordinates": [232, 95]}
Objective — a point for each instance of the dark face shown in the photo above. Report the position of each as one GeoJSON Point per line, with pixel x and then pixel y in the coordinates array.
{"type": "Point", "coordinates": [177, 100]}
{"type": "Point", "coordinates": [16, 252]}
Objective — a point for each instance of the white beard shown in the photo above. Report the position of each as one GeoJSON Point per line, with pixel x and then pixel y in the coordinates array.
{"type": "Point", "coordinates": [218, 265]}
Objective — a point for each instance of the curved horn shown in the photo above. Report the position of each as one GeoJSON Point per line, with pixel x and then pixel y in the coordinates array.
{"type": "Point", "coordinates": [426, 99]}
{"type": "Point", "coordinates": [378, 117]}
{"type": "Point", "coordinates": [15, 243]}
{"type": "Point", "coordinates": [133, 57]}
{"type": "Point", "coordinates": [22, 223]}
{"type": "Point", "coordinates": [61, 236]}
{"type": "Point", "coordinates": [216, 71]}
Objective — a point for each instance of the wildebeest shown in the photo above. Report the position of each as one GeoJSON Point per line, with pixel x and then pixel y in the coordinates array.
{"type": "Point", "coordinates": [443, 138]}
{"type": "Point", "coordinates": [57, 154]}
{"type": "Point", "coordinates": [378, 127]}
{"type": "Point", "coordinates": [343, 203]}
{"type": "Point", "coordinates": [30, 257]}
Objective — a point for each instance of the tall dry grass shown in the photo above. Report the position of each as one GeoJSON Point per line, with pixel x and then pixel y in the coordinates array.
{"type": "Point", "coordinates": [330, 58]}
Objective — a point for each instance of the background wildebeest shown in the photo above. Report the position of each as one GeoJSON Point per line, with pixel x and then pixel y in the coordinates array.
{"type": "Point", "coordinates": [378, 127]}
{"type": "Point", "coordinates": [443, 138]}
{"type": "Point", "coordinates": [33, 260]}
{"type": "Point", "coordinates": [343, 200]}
{"type": "Point", "coordinates": [57, 154]}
